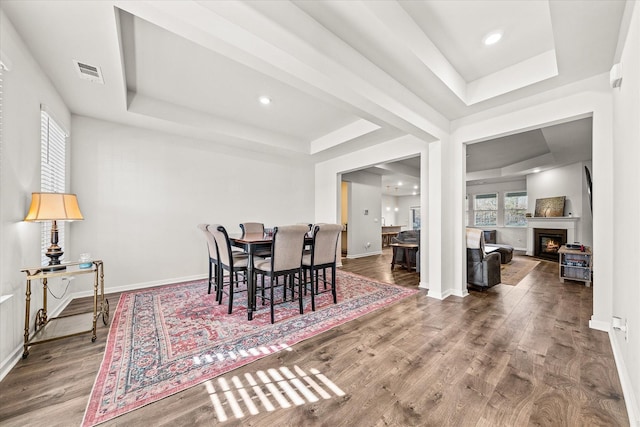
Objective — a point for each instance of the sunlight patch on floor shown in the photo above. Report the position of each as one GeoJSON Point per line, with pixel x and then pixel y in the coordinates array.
{"type": "Point", "coordinates": [270, 389]}
{"type": "Point", "coordinates": [234, 355]}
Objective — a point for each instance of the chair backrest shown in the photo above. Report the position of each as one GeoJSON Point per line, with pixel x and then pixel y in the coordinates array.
{"type": "Point", "coordinates": [475, 239]}
{"type": "Point", "coordinates": [211, 241]}
{"type": "Point", "coordinates": [288, 242]}
{"type": "Point", "coordinates": [222, 243]}
{"type": "Point", "coordinates": [325, 243]}
{"type": "Point", "coordinates": [407, 236]}
{"type": "Point", "coordinates": [252, 228]}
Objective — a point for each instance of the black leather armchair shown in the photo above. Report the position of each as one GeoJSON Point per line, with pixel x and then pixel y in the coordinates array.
{"type": "Point", "coordinates": [483, 270]}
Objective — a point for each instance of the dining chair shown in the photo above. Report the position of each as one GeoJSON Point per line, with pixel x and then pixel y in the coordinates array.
{"type": "Point", "coordinates": [232, 262]}
{"type": "Point", "coordinates": [322, 256]}
{"type": "Point", "coordinates": [285, 261]}
{"type": "Point", "coordinates": [255, 228]}
{"type": "Point", "coordinates": [212, 250]}
{"type": "Point", "coordinates": [212, 257]}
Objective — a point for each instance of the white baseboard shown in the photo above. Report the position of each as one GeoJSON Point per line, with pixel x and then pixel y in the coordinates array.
{"type": "Point", "coordinates": [14, 357]}
{"type": "Point", "coordinates": [143, 285]}
{"type": "Point", "coordinates": [364, 255]}
{"type": "Point", "coordinates": [599, 325]}
{"type": "Point", "coordinates": [627, 389]}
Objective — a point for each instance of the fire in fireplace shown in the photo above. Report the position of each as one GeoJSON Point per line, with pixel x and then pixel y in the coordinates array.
{"type": "Point", "coordinates": [547, 242]}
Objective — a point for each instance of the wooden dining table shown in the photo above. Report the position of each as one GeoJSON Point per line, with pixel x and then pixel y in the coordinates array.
{"type": "Point", "coordinates": [251, 243]}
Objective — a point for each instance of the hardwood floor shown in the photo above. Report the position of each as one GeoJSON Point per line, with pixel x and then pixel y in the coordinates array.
{"type": "Point", "coordinates": [510, 356]}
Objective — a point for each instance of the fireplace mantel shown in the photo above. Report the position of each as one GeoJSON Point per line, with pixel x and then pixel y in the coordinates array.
{"type": "Point", "coordinates": [569, 223]}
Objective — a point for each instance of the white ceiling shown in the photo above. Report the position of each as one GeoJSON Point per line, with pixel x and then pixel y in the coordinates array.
{"type": "Point", "coordinates": [341, 74]}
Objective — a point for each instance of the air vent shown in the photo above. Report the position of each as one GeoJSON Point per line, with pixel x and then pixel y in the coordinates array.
{"type": "Point", "coordinates": [88, 72]}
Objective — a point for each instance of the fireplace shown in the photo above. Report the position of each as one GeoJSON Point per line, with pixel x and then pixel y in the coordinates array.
{"type": "Point", "coordinates": [547, 241]}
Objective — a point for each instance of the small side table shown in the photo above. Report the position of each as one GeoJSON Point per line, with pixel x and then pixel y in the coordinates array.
{"type": "Point", "coordinates": [575, 264]}
{"type": "Point", "coordinates": [49, 329]}
{"type": "Point", "coordinates": [408, 248]}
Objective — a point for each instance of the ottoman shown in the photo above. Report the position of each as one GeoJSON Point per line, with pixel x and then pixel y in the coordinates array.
{"type": "Point", "coordinates": [505, 251]}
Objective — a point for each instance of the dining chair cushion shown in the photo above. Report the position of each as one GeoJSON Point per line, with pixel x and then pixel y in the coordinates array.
{"type": "Point", "coordinates": [240, 261]}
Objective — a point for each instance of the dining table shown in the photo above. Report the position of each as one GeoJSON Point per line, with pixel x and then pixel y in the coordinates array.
{"type": "Point", "coordinates": [251, 243]}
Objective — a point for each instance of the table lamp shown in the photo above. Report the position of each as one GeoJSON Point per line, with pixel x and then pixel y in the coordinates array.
{"type": "Point", "coordinates": [54, 207]}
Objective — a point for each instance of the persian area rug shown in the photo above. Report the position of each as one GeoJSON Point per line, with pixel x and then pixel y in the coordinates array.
{"type": "Point", "coordinates": [516, 270]}
{"type": "Point", "coordinates": [166, 339]}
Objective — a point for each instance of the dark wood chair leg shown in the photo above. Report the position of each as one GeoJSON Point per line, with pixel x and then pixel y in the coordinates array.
{"type": "Point", "coordinates": [271, 300]}
{"type": "Point", "coordinates": [210, 274]}
{"type": "Point", "coordinates": [300, 293]}
{"type": "Point", "coordinates": [333, 284]}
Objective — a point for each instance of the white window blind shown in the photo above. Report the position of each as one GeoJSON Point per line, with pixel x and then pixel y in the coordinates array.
{"type": "Point", "coordinates": [515, 209]}
{"type": "Point", "coordinates": [52, 171]}
{"type": "Point", "coordinates": [485, 209]}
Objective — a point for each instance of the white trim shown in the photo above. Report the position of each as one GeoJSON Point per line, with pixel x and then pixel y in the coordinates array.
{"type": "Point", "coordinates": [364, 255]}
{"type": "Point", "coordinates": [14, 357]}
{"type": "Point", "coordinates": [135, 286]}
{"type": "Point", "coordinates": [625, 381]}
{"type": "Point", "coordinates": [599, 325]}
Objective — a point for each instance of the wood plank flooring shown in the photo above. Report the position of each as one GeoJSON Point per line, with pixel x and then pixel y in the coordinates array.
{"type": "Point", "coordinates": [510, 356]}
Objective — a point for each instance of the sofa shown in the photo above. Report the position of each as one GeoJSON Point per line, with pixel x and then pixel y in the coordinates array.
{"type": "Point", "coordinates": [483, 269]}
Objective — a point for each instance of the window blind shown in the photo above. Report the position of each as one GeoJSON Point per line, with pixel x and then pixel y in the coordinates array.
{"type": "Point", "coordinates": [52, 171]}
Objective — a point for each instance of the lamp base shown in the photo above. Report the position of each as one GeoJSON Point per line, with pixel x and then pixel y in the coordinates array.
{"type": "Point", "coordinates": [54, 252]}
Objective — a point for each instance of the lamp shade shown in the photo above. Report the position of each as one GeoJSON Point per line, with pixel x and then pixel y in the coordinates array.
{"type": "Point", "coordinates": [54, 207]}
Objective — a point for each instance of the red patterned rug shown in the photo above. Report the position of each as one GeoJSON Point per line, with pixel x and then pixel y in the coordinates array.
{"type": "Point", "coordinates": [164, 340]}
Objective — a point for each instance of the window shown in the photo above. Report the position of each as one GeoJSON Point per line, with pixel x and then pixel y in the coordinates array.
{"type": "Point", "coordinates": [415, 218]}
{"type": "Point", "coordinates": [485, 209]}
{"type": "Point", "coordinates": [52, 171]}
{"type": "Point", "coordinates": [515, 209]}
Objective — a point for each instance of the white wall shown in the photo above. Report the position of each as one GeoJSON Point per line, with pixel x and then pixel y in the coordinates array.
{"type": "Point", "coordinates": [514, 236]}
{"type": "Point", "coordinates": [625, 223]}
{"type": "Point", "coordinates": [589, 97]}
{"type": "Point", "coordinates": [365, 199]}
{"type": "Point", "coordinates": [389, 214]}
{"type": "Point", "coordinates": [568, 181]}
{"type": "Point", "coordinates": [142, 194]}
{"type": "Point", "coordinates": [405, 203]}
{"type": "Point", "coordinates": [327, 192]}
{"type": "Point", "coordinates": [25, 88]}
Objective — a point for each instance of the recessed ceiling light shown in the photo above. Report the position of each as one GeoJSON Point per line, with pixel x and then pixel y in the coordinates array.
{"type": "Point", "coordinates": [415, 187]}
{"type": "Point", "coordinates": [536, 170]}
{"type": "Point", "coordinates": [399, 182]}
{"type": "Point", "coordinates": [264, 100]}
{"type": "Point", "coordinates": [492, 38]}
{"type": "Point", "coordinates": [414, 193]}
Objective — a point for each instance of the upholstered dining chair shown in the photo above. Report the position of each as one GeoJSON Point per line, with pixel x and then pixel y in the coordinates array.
{"type": "Point", "coordinates": [285, 260]}
{"type": "Point", "coordinates": [255, 228]}
{"type": "Point", "coordinates": [229, 261]}
{"type": "Point", "coordinates": [212, 257]}
{"type": "Point", "coordinates": [322, 256]}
